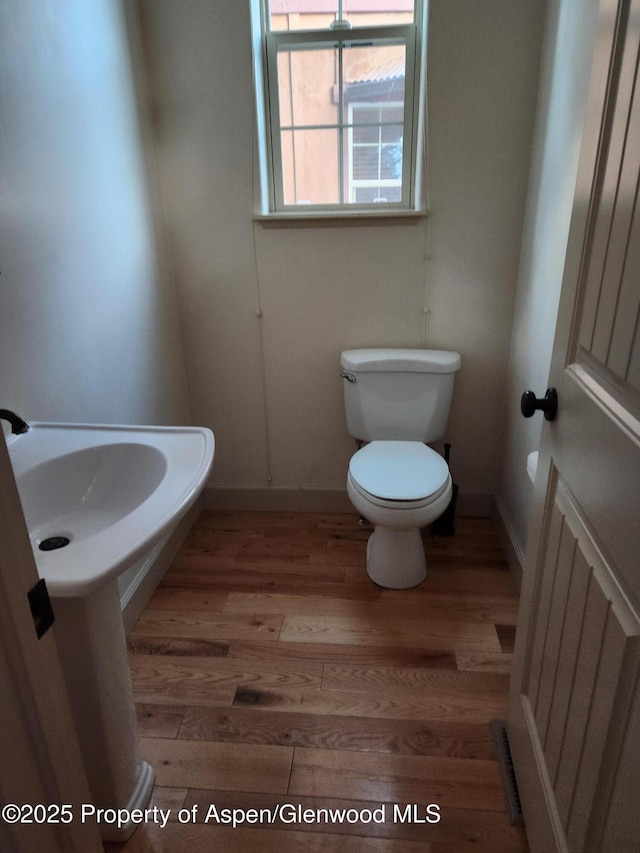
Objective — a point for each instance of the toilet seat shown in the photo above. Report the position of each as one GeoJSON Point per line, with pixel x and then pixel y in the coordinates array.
{"type": "Point", "coordinates": [399, 474]}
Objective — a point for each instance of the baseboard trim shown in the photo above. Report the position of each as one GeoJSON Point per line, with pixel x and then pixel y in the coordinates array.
{"type": "Point", "coordinates": [513, 550]}
{"type": "Point", "coordinates": [275, 499]}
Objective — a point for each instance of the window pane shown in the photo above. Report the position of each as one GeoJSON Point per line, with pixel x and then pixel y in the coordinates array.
{"type": "Point", "coordinates": [310, 166]}
{"type": "Point", "coordinates": [375, 73]}
{"type": "Point", "coordinates": [383, 162]}
{"type": "Point", "coordinates": [377, 195]}
{"type": "Point", "coordinates": [366, 12]}
{"type": "Point", "coordinates": [391, 160]}
{"type": "Point", "coordinates": [375, 166]}
{"type": "Point", "coordinates": [319, 14]}
{"type": "Point", "coordinates": [334, 144]}
{"type": "Point", "coordinates": [302, 14]}
{"type": "Point", "coordinates": [366, 163]}
{"type": "Point", "coordinates": [390, 132]}
{"type": "Point", "coordinates": [306, 86]}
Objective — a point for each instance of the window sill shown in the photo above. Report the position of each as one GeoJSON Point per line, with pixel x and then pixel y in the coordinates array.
{"type": "Point", "coordinates": [335, 219]}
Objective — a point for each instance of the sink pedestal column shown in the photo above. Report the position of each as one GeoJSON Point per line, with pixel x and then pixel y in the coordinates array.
{"type": "Point", "coordinates": [92, 648]}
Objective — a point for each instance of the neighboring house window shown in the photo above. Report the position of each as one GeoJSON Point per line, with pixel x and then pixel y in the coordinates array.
{"type": "Point", "coordinates": [375, 152]}
{"type": "Point", "coordinates": [340, 104]}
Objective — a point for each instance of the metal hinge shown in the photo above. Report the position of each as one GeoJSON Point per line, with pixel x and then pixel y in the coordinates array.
{"type": "Point", "coordinates": [41, 610]}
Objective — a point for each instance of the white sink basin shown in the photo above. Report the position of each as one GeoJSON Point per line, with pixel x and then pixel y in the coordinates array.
{"type": "Point", "coordinates": [102, 496]}
{"type": "Point", "coordinates": [111, 491]}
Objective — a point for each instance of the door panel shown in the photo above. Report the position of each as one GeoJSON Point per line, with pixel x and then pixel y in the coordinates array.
{"type": "Point", "coordinates": [621, 822]}
{"type": "Point", "coordinates": [586, 642]}
{"type": "Point", "coordinates": [611, 222]}
{"type": "Point", "coordinates": [574, 716]}
{"type": "Point", "coordinates": [584, 662]}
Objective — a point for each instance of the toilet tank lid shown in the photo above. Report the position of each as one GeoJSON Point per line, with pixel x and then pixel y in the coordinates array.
{"type": "Point", "coordinates": [401, 360]}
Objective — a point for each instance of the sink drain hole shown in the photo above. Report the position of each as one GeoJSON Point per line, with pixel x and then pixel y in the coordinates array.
{"type": "Point", "coordinates": [52, 543]}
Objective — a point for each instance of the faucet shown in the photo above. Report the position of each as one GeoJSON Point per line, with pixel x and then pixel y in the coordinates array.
{"type": "Point", "coordinates": [18, 426]}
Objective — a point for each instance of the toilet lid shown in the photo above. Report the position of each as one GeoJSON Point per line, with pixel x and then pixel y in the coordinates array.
{"type": "Point", "coordinates": [399, 470]}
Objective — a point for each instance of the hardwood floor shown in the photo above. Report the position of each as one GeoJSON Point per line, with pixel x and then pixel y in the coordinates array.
{"type": "Point", "coordinates": [268, 669]}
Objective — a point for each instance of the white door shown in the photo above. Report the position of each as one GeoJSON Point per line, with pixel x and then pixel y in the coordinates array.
{"type": "Point", "coordinates": [574, 716]}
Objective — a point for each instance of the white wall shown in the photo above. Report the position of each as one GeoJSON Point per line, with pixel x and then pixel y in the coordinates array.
{"type": "Point", "coordinates": [563, 90]}
{"type": "Point", "coordinates": [88, 322]}
{"type": "Point", "coordinates": [324, 289]}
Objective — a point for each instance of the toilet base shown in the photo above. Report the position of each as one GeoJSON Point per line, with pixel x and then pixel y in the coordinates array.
{"type": "Point", "coordinates": [395, 557]}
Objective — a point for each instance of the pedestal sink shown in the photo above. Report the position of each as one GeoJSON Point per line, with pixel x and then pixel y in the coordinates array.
{"type": "Point", "coordinates": [95, 499]}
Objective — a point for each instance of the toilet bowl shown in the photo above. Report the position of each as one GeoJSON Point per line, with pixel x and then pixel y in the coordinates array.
{"type": "Point", "coordinates": [399, 486]}
{"type": "Point", "coordinates": [397, 401]}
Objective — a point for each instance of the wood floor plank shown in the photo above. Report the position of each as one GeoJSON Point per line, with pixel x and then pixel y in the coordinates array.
{"type": "Point", "coordinates": [202, 543]}
{"type": "Point", "coordinates": [444, 561]}
{"type": "Point", "coordinates": [341, 551]}
{"type": "Point", "coordinates": [480, 541]}
{"type": "Point", "coordinates": [201, 564]}
{"type": "Point", "coordinates": [341, 520]}
{"type": "Point", "coordinates": [177, 646]}
{"type": "Point", "coordinates": [405, 779]}
{"type": "Point", "coordinates": [187, 599]}
{"type": "Point", "coordinates": [211, 626]}
{"type": "Point", "coordinates": [372, 631]}
{"type": "Point", "coordinates": [212, 681]}
{"type": "Point", "coordinates": [484, 662]}
{"type": "Point", "coordinates": [453, 580]}
{"type": "Point", "coordinates": [308, 673]}
{"type": "Point", "coordinates": [343, 653]}
{"type": "Point", "coordinates": [280, 551]}
{"type": "Point", "coordinates": [482, 555]}
{"type": "Point", "coordinates": [230, 767]}
{"type": "Point", "coordinates": [361, 734]}
{"type": "Point", "coordinates": [283, 584]}
{"type": "Point", "coordinates": [224, 520]}
{"type": "Point", "coordinates": [314, 534]}
{"type": "Point", "coordinates": [398, 680]}
{"type": "Point", "coordinates": [500, 611]}
{"type": "Point", "coordinates": [443, 574]}
{"type": "Point", "coordinates": [159, 720]}
{"type": "Point", "coordinates": [175, 689]}
{"type": "Point", "coordinates": [358, 574]}
{"type": "Point", "coordinates": [202, 534]}
{"type": "Point", "coordinates": [406, 706]}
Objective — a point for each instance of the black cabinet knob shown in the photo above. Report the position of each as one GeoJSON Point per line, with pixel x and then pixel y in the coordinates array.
{"type": "Point", "coordinates": [529, 404]}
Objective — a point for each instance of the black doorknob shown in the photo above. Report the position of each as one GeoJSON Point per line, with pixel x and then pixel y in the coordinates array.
{"type": "Point", "coordinates": [529, 404]}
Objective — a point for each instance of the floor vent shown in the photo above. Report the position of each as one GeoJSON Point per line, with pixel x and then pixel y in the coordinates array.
{"type": "Point", "coordinates": [501, 740]}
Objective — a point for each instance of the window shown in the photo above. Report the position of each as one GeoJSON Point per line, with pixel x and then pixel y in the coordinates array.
{"type": "Point", "coordinates": [340, 101]}
{"type": "Point", "coordinates": [375, 148]}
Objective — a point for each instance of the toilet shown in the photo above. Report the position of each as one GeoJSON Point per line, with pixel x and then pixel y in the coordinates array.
{"type": "Point", "coordinates": [396, 401]}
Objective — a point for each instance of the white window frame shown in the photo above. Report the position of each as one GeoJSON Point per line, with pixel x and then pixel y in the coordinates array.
{"type": "Point", "coordinates": [270, 191]}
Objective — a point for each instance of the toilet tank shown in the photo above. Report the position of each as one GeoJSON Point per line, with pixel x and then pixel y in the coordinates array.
{"type": "Point", "coordinates": [398, 394]}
